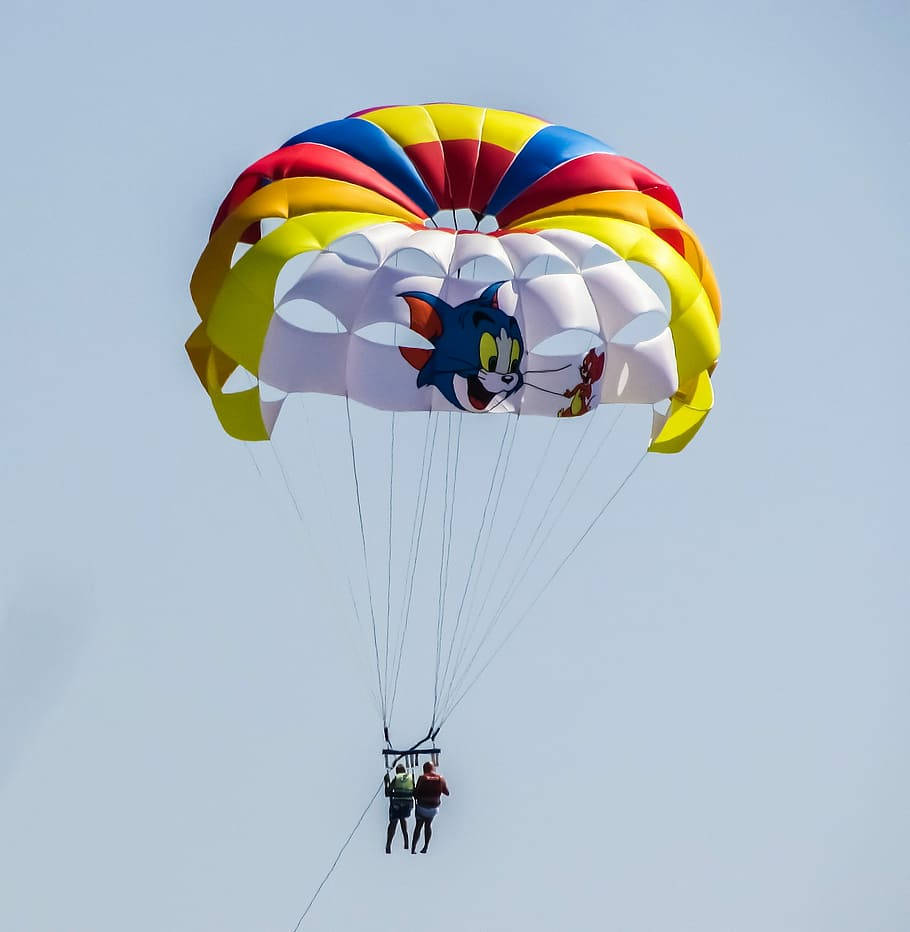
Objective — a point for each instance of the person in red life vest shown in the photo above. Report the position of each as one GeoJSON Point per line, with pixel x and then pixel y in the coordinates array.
{"type": "Point", "coordinates": [400, 790]}
{"type": "Point", "coordinates": [428, 793]}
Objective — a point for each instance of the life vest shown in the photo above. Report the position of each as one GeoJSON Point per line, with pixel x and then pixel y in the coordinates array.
{"type": "Point", "coordinates": [402, 786]}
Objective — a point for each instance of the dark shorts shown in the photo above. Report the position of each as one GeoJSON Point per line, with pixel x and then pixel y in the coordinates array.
{"type": "Point", "coordinates": [400, 808]}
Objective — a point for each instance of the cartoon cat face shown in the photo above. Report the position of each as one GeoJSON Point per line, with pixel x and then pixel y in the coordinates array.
{"type": "Point", "coordinates": [477, 349]}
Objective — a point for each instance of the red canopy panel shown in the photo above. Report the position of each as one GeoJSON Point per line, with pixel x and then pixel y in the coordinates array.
{"type": "Point", "coordinates": [598, 171]}
{"type": "Point", "coordinates": [429, 160]}
{"type": "Point", "coordinates": [307, 159]}
{"type": "Point", "coordinates": [492, 163]}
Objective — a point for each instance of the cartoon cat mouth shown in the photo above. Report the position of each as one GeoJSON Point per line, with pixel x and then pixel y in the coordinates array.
{"type": "Point", "coordinates": [477, 394]}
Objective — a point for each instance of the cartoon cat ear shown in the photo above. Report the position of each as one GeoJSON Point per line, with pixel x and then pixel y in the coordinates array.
{"type": "Point", "coordinates": [489, 296]}
{"type": "Point", "coordinates": [416, 357]}
{"type": "Point", "coordinates": [425, 321]}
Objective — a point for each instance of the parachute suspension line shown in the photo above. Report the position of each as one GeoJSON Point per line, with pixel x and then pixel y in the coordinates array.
{"type": "Point", "coordinates": [331, 870]}
{"type": "Point", "coordinates": [317, 463]}
{"type": "Point", "coordinates": [510, 588]}
{"type": "Point", "coordinates": [522, 560]}
{"type": "Point", "coordinates": [417, 501]}
{"type": "Point", "coordinates": [502, 482]}
{"type": "Point", "coordinates": [295, 502]}
{"type": "Point", "coordinates": [489, 530]}
{"type": "Point", "coordinates": [521, 512]}
{"type": "Point", "coordinates": [444, 575]}
{"type": "Point", "coordinates": [422, 504]}
{"type": "Point", "coordinates": [388, 592]}
{"type": "Point", "coordinates": [457, 673]}
{"type": "Point", "coordinates": [287, 484]}
{"type": "Point", "coordinates": [472, 620]}
{"type": "Point", "coordinates": [574, 489]}
{"type": "Point", "coordinates": [411, 553]}
{"type": "Point", "coordinates": [525, 566]}
{"type": "Point", "coordinates": [559, 567]}
{"type": "Point", "coordinates": [460, 421]}
{"type": "Point", "coordinates": [249, 449]}
{"type": "Point", "coordinates": [442, 563]}
{"type": "Point", "coordinates": [254, 383]}
{"type": "Point", "coordinates": [366, 564]}
{"type": "Point", "coordinates": [480, 528]}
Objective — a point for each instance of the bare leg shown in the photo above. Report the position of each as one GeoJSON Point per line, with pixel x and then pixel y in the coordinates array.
{"type": "Point", "coordinates": [389, 836]}
{"type": "Point", "coordinates": [404, 831]}
{"type": "Point", "coordinates": [416, 836]}
{"type": "Point", "coordinates": [427, 835]}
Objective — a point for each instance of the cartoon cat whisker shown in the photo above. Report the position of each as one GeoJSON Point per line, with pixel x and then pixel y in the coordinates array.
{"type": "Point", "coordinates": [547, 390]}
{"type": "Point", "coordinates": [568, 365]}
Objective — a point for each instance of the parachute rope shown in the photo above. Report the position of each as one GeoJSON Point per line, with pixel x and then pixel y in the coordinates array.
{"type": "Point", "coordinates": [249, 449]}
{"type": "Point", "coordinates": [572, 550]}
{"type": "Point", "coordinates": [524, 566]}
{"type": "Point", "coordinates": [409, 566]}
{"type": "Point", "coordinates": [317, 465]}
{"type": "Point", "coordinates": [448, 513]}
{"type": "Point", "coordinates": [522, 561]}
{"type": "Point", "coordinates": [521, 511]}
{"type": "Point", "coordinates": [527, 564]}
{"type": "Point", "coordinates": [302, 519]}
{"type": "Point", "coordinates": [341, 851]}
{"type": "Point", "coordinates": [480, 528]}
{"type": "Point", "coordinates": [366, 563]}
{"type": "Point", "coordinates": [416, 551]}
{"type": "Point", "coordinates": [532, 540]}
{"type": "Point", "coordinates": [300, 516]}
{"type": "Point", "coordinates": [388, 597]}
{"type": "Point", "coordinates": [486, 548]}
{"type": "Point", "coordinates": [287, 484]}
{"type": "Point", "coordinates": [411, 554]}
{"type": "Point", "coordinates": [472, 624]}
{"type": "Point", "coordinates": [449, 552]}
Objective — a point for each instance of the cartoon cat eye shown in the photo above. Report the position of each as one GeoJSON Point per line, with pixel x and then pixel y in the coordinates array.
{"type": "Point", "coordinates": [489, 353]}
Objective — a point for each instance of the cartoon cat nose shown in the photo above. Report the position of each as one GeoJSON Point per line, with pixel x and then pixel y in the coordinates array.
{"type": "Point", "coordinates": [508, 379]}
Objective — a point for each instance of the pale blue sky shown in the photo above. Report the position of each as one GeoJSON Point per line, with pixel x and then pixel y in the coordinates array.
{"type": "Point", "coordinates": [184, 736]}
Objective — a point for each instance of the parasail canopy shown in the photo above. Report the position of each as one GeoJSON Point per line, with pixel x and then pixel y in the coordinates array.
{"type": "Point", "coordinates": [394, 309]}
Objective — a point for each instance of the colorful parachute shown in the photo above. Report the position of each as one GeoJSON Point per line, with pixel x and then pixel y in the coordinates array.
{"type": "Point", "coordinates": [426, 318]}
{"type": "Point", "coordinates": [434, 259]}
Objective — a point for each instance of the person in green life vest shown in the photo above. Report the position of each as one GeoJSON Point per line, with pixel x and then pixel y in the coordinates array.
{"type": "Point", "coordinates": [400, 790]}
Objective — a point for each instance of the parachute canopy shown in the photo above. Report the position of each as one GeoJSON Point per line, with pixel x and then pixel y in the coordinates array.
{"type": "Point", "coordinates": [363, 290]}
